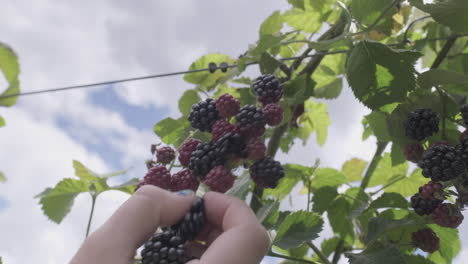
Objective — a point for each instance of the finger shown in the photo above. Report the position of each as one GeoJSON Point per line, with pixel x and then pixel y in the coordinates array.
{"type": "Point", "coordinates": [244, 240]}
{"type": "Point", "coordinates": [132, 224]}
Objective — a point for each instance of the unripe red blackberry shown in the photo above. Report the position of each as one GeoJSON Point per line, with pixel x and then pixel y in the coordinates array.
{"type": "Point", "coordinates": [430, 190]}
{"type": "Point", "coordinates": [165, 155]}
{"type": "Point", "coordinates": [256, 149]}
{"type": "Point", "coordinates": [447, 215]}
{"type": "Point", "coordinates": [220, 179]}
{"type": "Point", "coordinates": [424, 206]}
{"type": "Point", "coordinates": [166, 247]}
{"type": "Point", "coordinates": [227, 105]}
{"type": "Point", "coordinates": [221, 128]}
{"type": "Point", "coordinates": [441, 163]}
{"type": "Point", "coordinates": [184, 180]}
{"type": "Point", "coordinates": [251, 132]}
{"type": "Point", "coordinates": [268, 89]}
{"type": "Point", "coordinates": [413, 152]}
{"type": "Point", "coordinates": [189, 227]}
{"type": "Point", "coordinates": [158, 176]}
{"type": "Point", "coordinates": [426, 239]}
{"type": "Point", "coordinates": [421, 123]}
{"type": "Point", "coordinates": [273, 114]}
{"type": "Point", "coordinates": [185, 151]}
{"type": "Point", "coordinates": [266, 172]}
{"type": "Point", "coordinates": [203, 115]}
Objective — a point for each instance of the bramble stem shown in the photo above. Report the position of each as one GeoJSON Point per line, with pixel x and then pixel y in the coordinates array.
{"type": "Point", "coordinates": [318, 252]}
{"type": "Point", "coordinates": [373, 165]}
{"type": "Point", "coordinates": [93, 203]}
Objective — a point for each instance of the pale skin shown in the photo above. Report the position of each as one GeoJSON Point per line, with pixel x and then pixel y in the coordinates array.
{"type": "Point", "coordinates": [232, 234]}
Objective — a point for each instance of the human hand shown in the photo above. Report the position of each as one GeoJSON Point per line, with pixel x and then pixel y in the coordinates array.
{"type": "Point", "coordinates": [232, 233]}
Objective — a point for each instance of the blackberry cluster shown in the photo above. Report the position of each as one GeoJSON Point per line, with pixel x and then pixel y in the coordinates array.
{"type": "Point", "coordinates": [204, 158]}
{"type": "Point", "coordinates": [424, 206]}
{"type": "Point", "coordinates": [266, 172]}
{"type": "Point", "coordinates": [220, 179]}
{"type": "Point", "coordinates": [426, 239]}
{"type": "Point", "coordinates": [421, 123]}
{"type": "Point", "coordinates": [165, 155]}
{"type": "Point", "coordinates": [268, 89]}
{"type": "Point", "coordinates": [464, 113]}
{"type": "Point", "coordinates": [441, 163]}
{"type": "Point", "coordinates": [203, 115]}
{"type": "Point", "coordinates": [168, 247]}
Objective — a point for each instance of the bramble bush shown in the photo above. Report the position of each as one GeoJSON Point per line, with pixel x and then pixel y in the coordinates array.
{"type": "Point", "coordinates": [407, 61]}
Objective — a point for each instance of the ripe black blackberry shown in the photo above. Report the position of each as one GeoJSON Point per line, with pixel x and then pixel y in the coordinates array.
{"type": "Point", "coordinates": [266, 172]}
{"type": "Point", "coordinates": [426, 239]}
{"type": "Point", "coordinates": [227, 105]}
{"type": "Point", "coordinates": [164, 248]}
{"type": "Point", "coordinates": [421, 123]}
{"type": "Point", "coordinates": [464, 113]}
{"type": "Point", "coordinates": [189, 227]}
{"type": "Point", "coordinates": [250, 117]}
{"type": "Point", "coordinates": [231, 145]}
{"type": "Point", "coordinates": [424, 206]}
{"type": "Point", "coordinates": [251, 132]}
{"type": "Point", "coordinates": [268, 89]}
{"type": "Point", "coordinates": [203, 115]}
{"type": "Point", "coordinates": [184, 180]}
{"type": "Point", "coordinates": [157, 176]}
{"type": "Point", "coordinates": [204, 158]}
{"type": "Point", "coordinates": [441, 163]}
{"type": "Point", "coordinates": [221, 128]}
{"type": "Point", "coordinates": [273, 114]}
{"type": "Point", "coordinates": [463, 148]}
{"type": "Point", "coordinates": [220, 179]}
{"type": "Point", "coordinates": [447, 215]}
{"type": "Point", "coordinates": [185, 151]}
{"type": "Point", "coordinates": [165, 155]}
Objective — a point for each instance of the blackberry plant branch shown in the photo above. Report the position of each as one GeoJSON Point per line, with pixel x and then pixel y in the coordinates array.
{"type": "Point", "coordinates": [405, 35]}
{"type": "Point", "coordinates": [93, 204]}
{"type": "Point", "coordinates": [318, 252]}
{"type": "Point", "coordinates": [373, 164]}
{"type": "Point", "coordinates": [338, 251]}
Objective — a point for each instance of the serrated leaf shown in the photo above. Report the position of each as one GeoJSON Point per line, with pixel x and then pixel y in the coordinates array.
{"type": "Point", "coordinates": [57, 202]}
{"type": "Point", "coordinates": [339, 217]}
{"type": "Point", "coordinates": [272, 24]}
{"type": "Point", "coordinates": [409, 185]}
{"type": "Point", "coordinates": [379, 75]}
{"type": "Point", "coordinates": [293, 173]}
{"type": "Point", "coordinates": [327, 177]}
{"type": "Point", "coordinates": [386, 255]}
{"type": "Point", "coordinates": [297, 4]}
{"type": "Point", "coordinates": [83, 172]}
{"type": "Point", "coordinates": [353, 169]}
{"type": "Point", "coordinates": [127, 187]}
{"type": "Point", "coordinates": [205, 79]}
{"type": "Point", "coordinates": [437, 77]}
{"type": "Point", "coordinates": [316, 114]}
{"type": "Point", "coordinates": [397, 154]}
{"type": "Point", "coordinates": [329, 91]}
{"type": "Point", "coordinates": [309, 18]}
{"type": "Point", "coordinates": [189, 98]}
{"type": "Point", "coordinates": [380, 225]}
{"type": "Point", "coordinates": [379, 125]}
{"type": "Point", "coordinates": [297, 228]}
{"type": "Point", "coordinates": [169, 130]}
{"type": "Point", "coordinates": [2, 177]}
{"type": "Point", "coordinates": [268, 63]}
{"type": "Point", "coordinates": [9, 66]}
{"type": "Point", "coordinates": [385, 171]}
{"type": "Point", "coordinates": [323, 198]}
{"type": "Point", "coordinates": [450, 244]}
{"type": "Point", "coordinates": [394, 200]}
{"type": "Point", "coordinates": [267, 210]}
{"type": "Point", "coordinates": [368, 11]}
{"type": "Point", "coordinates": [451, 13]}
{"type": "Point", "coordinates": [240, 187]}
{"type": "Point", "coordinates": [2, 122]}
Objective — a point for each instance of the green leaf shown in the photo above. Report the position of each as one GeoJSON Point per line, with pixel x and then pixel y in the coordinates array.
{"type": "Point", "coordinates": [9, 66]}
{"type": "Point", "coordinates": [450, 244]}
{"type": "Point", "coordinates": [417, 259]}
{"type": "Point", "coordinates": [272, 24]}
{"type": "Point", "coordinates": [241, 187]}
{"type": "Point", "coordinates": [327, 177]}
{"type": "Point", "coordinates": [323, 198]}
{"type": "Point", "coordinates": [205, 79]}
{"type": "Point", "coordinates": [297, 4]}
{"type": "Point", "coordinates": [409, 185]}
{"type": "Point", "coordinates": [437, 77]}
{"type": "Point", "coordinates": [328, 76]}
{"type": "Point", "coordinates": [170, 130]}
{"type": "Point", "coordinates": [379, 125]}
{"type": "Point", "coordinates": [293, 174]}
{"type": "Point", "coordinates": [2, 177]}
{"type": "Point", "coordinates": [57, 202]}
{"type": "Point", "coordinates": [127, 187]}
{"type": "Point", "coordinates": [380, 225]}
{"type": "Point", "coordinates": [368, 11]}
{"type": "Point", "coordinates": [394, 200]}
{"type": "Point", "coordinates": [329, 91]}
{"type": "Point", "coordinates": [85, 174]}
{"type": "Point", "coordinates": [309, 18]}
{"type": "Point", "coordinates": [379, 75]}
{"type": "Point", "coordinates": [2, 122]}
{"type": "Point", "coordinates": [397, 154]}
{"type": "Point", "coordinates": [316, 114]}
{"type": "Point", "coordinates": [385, 171]}
{"type": "Point", "coordinates": [353, 169]}
{"type": "Point", "coordinates": [297, 228]}
{"type": "Point", "coordinates": [387, 255]}
{"type": "Point", "coordinates": [189, 98]}
{"type": "Point", "coordinates": [268, 63]}
{"type": "Point", "coordinates": [267, 210]}
{"type": "Point", "coordinates": [451, 13]}
{"type": "Point", "coordinates": [339, 217]}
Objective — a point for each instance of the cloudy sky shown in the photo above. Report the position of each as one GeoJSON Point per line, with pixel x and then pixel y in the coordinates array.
{"type": "Point", "coordinates": [108, 128]}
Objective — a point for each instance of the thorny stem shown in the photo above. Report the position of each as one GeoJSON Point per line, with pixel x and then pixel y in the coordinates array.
{"type": "Point", "coordinates": [318, 252]}
{"type": "Point", "coordinates": [373, 165]}
{"type": "Point", "coordinates": [276, 255]}
{"type": "Point", "coordinates": [93, 203]}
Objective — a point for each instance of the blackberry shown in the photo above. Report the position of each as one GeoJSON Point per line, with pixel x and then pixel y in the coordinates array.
{"type": "Point", "coordinates": [220, 179]}
{"type": "Point", "coordinates": [189, 227]}
{"type": "Point", "coordinates": [464, 113]}
{"type": "Point", "coordinates": [431, 190]}
{"type": "Point", "coordinates": [463, 148]}
{"type": "Point", "coordinates": [231, 145]}
{"type": "Point", "coordinates": [203, 115]}
{"type": "Point", "coordinates": [447, 215]}
{"type": "Point", "coordinates": [256, 149]}
{"type": "Point", "coordinates": [421, 123]}
{"type": "Point", "coordinates": [250, 117]}
{"type": "Point", "coordinates": [252, 132]}
{"type": "Point", "coordinates": [426, 239]}
{"type": "Point", "coordinates": [157, 176]}
{"type": "Point", "coordinates": [227, 105]}
{"type": "Point", "coordinates": [185, 151]}
{"type": "Point", "coordinates": [184, 180]}
{"type": "Point", "coordinates": [204, 158]}
{"type": "Point", "coordinates": [220, 128]}
{"type": "Point", "coordinates": [413, 152]}
{"type": "Point", "coordinates": [266, 172]}
{"type": "Point", "coordinates": [273, 114]}
{"type": "Point", "coordinates": [165, 155]}
{"type": "Point", "coordinates": [424, 206]}
{"type": "Point", "coordinates": [441, 163]}
{"type": "Point", "coordinates": [163, 248]}
{"type": "Point", "coordinates": [268, 89]}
